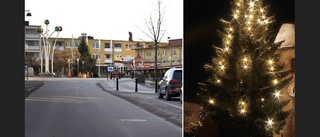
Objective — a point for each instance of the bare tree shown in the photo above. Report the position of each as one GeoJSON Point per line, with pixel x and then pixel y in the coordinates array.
{"type": "Point", "coordinates": [155, 30]}
{"type": "Point", "coordinates": [61, 58]}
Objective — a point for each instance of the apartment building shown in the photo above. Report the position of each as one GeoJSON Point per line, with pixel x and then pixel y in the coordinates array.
{"type": "Point", "coordinates": [118, 53]}
{"type": "Point", "coordinates": [32, 41]}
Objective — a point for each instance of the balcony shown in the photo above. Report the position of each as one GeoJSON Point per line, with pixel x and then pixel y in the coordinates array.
{"type": "Point", "coordinates": [32, 49]}
{"type": "Point", "coordinates": [59, 48]}
{"type": "Point", "coordinates": [117, 50]}
{"type": "Point", "coordinates": [108, 50]}
{"type": "Point", "coordinates": [33, 36]}
{"type": "Point", "coordinates": [108, 61]}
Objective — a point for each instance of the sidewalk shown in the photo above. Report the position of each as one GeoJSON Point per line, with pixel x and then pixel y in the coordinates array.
{"type": "Point", "coordinates": [126, 85]}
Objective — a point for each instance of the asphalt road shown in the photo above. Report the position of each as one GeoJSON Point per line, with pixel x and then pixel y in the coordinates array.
{"type": "Point", "coordinates": [31, 86]}
{"type": "Point", "coordinates": [82, 109]}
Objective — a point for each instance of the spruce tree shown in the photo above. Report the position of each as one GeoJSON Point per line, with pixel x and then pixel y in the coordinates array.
{"type": "Point", "coordinates": [83, 49]}
{"type": "Point", "coordinates": [242, 94]}
{"type": "Point", "coordinates": [89, 65]}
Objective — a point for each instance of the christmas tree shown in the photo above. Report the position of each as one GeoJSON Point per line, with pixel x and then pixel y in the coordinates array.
{"type": "Point", "coordinates": [241, 97]}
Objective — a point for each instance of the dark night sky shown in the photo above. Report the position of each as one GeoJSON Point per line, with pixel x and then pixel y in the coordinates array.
{"type": "Point", "coordinates": [201, 22]}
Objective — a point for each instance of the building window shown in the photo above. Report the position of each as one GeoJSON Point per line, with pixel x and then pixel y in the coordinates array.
{"type": "Point", "coordinates": [292, 65]}
{"type": "Point", "coordinates": [148, 53]}
{"type": "Point", "coordinates": [71, 44]}
{"type": "Point", "coordinates": [31, 31]}
{"type": "Point", "coordinates": [173, 52]}
{"type": "Point", "coordinates": [141, 46]}
{"type": "Point", "coordinates": [129, 47]}
{"type": "Point", "coordinates": [164, 53]}
{"type": "Point", "coordinates": [96, 56]}
{"type": "Point", "coordinates": [108, 56]}
{"type": "Point", "coordinates": [95, 45]}
{"type": "Point", "coordinates": [32, 43]}
{"type": "Point", "coordinates": [76, 44]}
{"type": "Point", "coordinates": [59, 44]}
{"type": "Point", "coordinates": [68, 44]}
{"type": "Point", "coordinates": [107, 45]}
{"type": "Point", "coordinates": [117, 45]}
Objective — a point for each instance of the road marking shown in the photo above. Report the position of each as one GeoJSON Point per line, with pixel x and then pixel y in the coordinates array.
{"type": "Point", "coordinates": [30, 88]}
{"type": "Point", "coordinates": [134, 120]}
{"type": "Point", "coordinates": [165, 103]}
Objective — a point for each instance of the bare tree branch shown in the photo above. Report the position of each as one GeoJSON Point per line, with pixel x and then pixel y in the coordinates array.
{"type": "Point", "coordinates": [153, 25]}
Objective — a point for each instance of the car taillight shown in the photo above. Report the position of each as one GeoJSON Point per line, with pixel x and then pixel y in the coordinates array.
{"type": "Point", "coordinates": [173, 81]}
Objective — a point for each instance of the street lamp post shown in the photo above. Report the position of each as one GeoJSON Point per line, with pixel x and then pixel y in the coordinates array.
{"type": "Point", "coordinates": [82, 66]}
{"type": "Point", "coordinates": [47, 47]}
{"type": "Point", "coordinates": [77, 65]}
{"type": "Point", "coordinates": [69, 72]}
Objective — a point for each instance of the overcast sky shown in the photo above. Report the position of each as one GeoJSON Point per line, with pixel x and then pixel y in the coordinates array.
{"type": "Point", "coordinates": [104, 19]}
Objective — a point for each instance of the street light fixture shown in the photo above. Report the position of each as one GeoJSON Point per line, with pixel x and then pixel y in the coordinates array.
{"type": "Point", "coordinates": [28, 14]}
{"type": "Point", "coordinates": [46, 49]}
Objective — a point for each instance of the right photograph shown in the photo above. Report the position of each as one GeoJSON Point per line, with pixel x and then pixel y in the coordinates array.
{"type": "Point", "coordinates": [239, 68]}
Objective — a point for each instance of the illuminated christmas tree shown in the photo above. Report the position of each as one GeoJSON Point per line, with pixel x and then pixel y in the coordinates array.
{"type": "Point", "coordinates": [242, 95]}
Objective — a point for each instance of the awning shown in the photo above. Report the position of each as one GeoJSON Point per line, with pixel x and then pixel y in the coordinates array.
{"type": "Point", "coordinates": [140, 67]}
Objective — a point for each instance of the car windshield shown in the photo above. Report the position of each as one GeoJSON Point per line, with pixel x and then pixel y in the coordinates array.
{"type": "Point", "coordinates": [177, 75]}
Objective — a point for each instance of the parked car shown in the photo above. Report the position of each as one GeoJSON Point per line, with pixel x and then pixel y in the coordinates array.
{"type": "Point", "coordinates": [170, 84]}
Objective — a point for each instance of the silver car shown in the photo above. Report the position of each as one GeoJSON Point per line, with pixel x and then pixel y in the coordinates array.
{"type": "Point", "coordinates": [170, 84]}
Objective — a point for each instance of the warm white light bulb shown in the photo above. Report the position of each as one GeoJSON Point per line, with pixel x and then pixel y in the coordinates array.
{"type": "Point", "coordinates": [275, 81]}
{"type": "Point", "coordinates": [218, 80]}
{"type": "Point", "coordinates": [211, 101]}
{"type": "Point", "coordinates": [222, 67]}
{"type": "Point", "coordinates": [270, 61]}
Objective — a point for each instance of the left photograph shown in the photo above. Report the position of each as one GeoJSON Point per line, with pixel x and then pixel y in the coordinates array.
{"type": "Point", "coordinates": [103, 68]}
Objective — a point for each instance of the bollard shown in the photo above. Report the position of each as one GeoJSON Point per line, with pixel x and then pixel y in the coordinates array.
{"type": "Point", "coordinates": [136, 89]}
{"type": "Point", "coordinates": [156, 85]}
{"type": "Point", "coordinates": [117, 84]}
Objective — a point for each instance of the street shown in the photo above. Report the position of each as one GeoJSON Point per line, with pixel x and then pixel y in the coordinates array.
{"type": "Point", "coordinates": [86, 108]}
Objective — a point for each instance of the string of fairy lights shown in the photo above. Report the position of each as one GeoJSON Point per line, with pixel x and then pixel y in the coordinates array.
{"type": "Point", "coordinates": [254, 16]}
